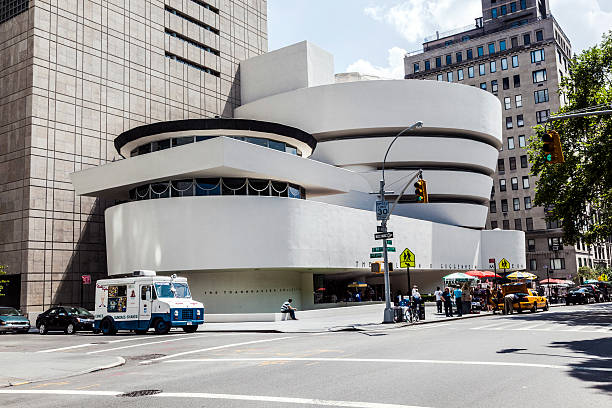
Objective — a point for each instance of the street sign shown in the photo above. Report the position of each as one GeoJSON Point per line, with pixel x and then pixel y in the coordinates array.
{"type": "Point", "coordinates": [391, 249]}
{"type": "Point", "coordinates": [504, 264]}
{"type": "Point", "coordinates": [389, 242]}
{"type": "Point", "coordinates": [382, 210]}
{"type": "Point", "coordinates": [383, 235]}
{"type": "Point", "coordinates": [377, 249]}
{"type": "Point", "coordinates": [376, 255]}
{"type": "Point", "coordinates": [380, 228]}
{"type": "Point", "coordinates": [491, 263]}
{"type": "Point", "coordinates": [86, 279]}
{"type": "Point", "coordinates": [407, 259]}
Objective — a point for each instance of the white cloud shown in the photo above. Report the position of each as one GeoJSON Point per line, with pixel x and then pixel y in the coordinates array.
{"type": "Point", "coordinates": [395, 69]}
{"type": "Point", "coordinates": [374, 12]}
{"type": "Point", "coordinates": [585, 23]}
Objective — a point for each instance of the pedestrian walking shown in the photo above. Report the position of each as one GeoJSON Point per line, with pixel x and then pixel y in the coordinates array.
{"type": "Point", "coordinates": [448, 303]}
{"type": "Point", "coordinates": [287, 308]}
{"type": "Point", "coordinates": [508, 301]}
{"type": "Point", "coordinates": [458, 293]}
{"type": "Point", "coordinates": [438, 294]}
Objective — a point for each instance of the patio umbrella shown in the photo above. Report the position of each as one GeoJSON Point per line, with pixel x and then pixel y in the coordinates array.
{"type": "Point", "coordinates": [482, 274]}
{"type": "Point", "coordinates": [521, 275]}
{"type": "Point", "coordinates": [551, 281]}
{"type": "Point", "coordinates": [358, 285]}
{"type": "Point", "coordinates": [459, 277]}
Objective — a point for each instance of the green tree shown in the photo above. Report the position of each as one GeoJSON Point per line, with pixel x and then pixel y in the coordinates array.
{"type": "Point", "coordinates": [579, 191]}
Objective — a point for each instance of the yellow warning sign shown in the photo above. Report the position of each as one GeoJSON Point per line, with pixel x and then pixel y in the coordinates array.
{"type": "Point", "coordinates": [504, 264]}
{"type": "Point", "coordinates": [407, 259]}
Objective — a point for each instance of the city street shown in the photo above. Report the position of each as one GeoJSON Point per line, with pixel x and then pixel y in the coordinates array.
{"type": "Point", "coordinates": [560, 358]}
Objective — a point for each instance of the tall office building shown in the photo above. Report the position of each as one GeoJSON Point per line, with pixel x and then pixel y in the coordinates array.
{"type": "Point", "coordinates": [518, 52]}
{"type": "Point", "coordinates": [73, 76]}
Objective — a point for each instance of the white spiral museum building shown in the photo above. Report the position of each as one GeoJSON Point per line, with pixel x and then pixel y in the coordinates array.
{"type": "Point", "coordinates": [277, 202]}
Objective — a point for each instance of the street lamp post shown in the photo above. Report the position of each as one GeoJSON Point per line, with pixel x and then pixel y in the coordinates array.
{"type": "Point", "coordinates": [548, 281]}
{"type": "Point", "coordinates": [388, 314]}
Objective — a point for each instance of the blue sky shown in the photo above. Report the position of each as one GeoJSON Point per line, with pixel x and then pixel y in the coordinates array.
{"type": "Point", "coordinates": [371, 36]}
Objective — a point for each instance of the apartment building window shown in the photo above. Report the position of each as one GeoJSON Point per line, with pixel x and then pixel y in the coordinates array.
{"type": "Point", "coordinates": [492, 48]}
{"type": "Point", "coordinates": [524, 163]}
{"type": "Point", "coordinates": [492, 207]}
{"type": "Point", "coordinates": [504, 64]}
{"type": "Point", "coordinates": [531, 245]}
{"type": "Point", "coordinates": [494, 86]}
{"type": "Point", "coordinates": [514, 42]}
{"type": "Point", "coordinates": [504, 204]}
{"type": "Point", "coordinates": [557, 264]}
{"type": "Point", "coordinates": [427, 65]}
{"type": "Point", "coordinates": [509, 123]}
{"type": "Point", "coordinates": [507, 103]}
{"type": "Point", "coordinates": [492, 192]}
{"type": "Point", "coordinates": [526, 39]}
{"type": "Point", "coordinates": [470, 72]}
{"type": "Point", "coordinates": [506, 224]}
{"type": "Point", "coordinates": [560, 57]}
{"type": "Point", "coordinates": [502, 45]}
{"type": "Point", "coordinates": [539, 35]}
{"type": "Point", "coordinates": [518, 225]}
{"type": "Point", "coordinates": [493, 66]}
{"type": "Point", "coordinates": [483, 85]}
{"type": "Point", "coordinates": [481, 69]}
{"type": "Point", "coordinates": [500, 167]}
{"type": "Point", "coordinates": [539, 76]}
{"type": "Point", "coordinates": [541, 96]}
{"type": "Point", "coordinates": [518, 99]}
{"type": "Point", "coordinates": [515, 61]}
{"type": "Point", "coordinates": [514, 183]}
{"type": "Point", "coordinates": [493, 224]}
{"type": "Point", "coordinates": [520, 122]}
{"type": "Point", "coordinates": [533, 264]}
{"type": "Point", "coordinates": [517, 81]}
{"type": "Point", "coordinates": [554, 224]}
{"type": "Point", "coordinates": [416, 67]}
{"type": "Point", "coordinates": [529, 224]}
{"type": "Point", "coordinates": [470, 54]}
{"type": "Point", "coordinates": [542, 116]}
{"type": "Point", "coordinates": [555, 244]}
{"type": "Point", "coordinates": [440, 77]}
{"type": "Point", "coordinates": [537, 56]}
{"type": "Point", "coordinates": [525, 182]}
{"type": "Point", "coordinates": [480, 51]}
{"type": "Point", "coordinates": [523, 4]}
{"type": "Point", "coordinates": [506, 83]}
{"type": "Point", "coordinates": [438, 62]}
{"type": "Point", "coordinates": [502, 185]}
{"type": "Point", "coordinates": [460, 75]}
{"type": "Point", "coordinates": [449, 60]}
{"type": "Point", "coordinates": [504, 10]}
{"type": "Point", "coordinates": [459, 56]}
{"type": "Point", "coordinates": [494, 12]}
{"type": "Point", "coordinates": [511, 144]}
{"type": "Point", "coordinates": [527, 201]}
{"type": "Point", "coordinates": [449, 76]}
{"type": "Point", "coordinates": [512, 161]}
{"type": "Point", "coordinates": [513, 7]}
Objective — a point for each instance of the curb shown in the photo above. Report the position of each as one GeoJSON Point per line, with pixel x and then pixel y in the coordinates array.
{"type": "Point", "coordinates": [120, 361]}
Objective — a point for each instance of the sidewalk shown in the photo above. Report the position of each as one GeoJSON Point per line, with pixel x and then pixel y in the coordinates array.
{"type": "Point", "coordinates": [358, 318]}
{"type": "Point", "coordinates": [23, 368]}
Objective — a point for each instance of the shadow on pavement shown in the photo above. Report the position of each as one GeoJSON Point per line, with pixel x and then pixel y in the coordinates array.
{"type": "Point", "coordinates": [599, 315]}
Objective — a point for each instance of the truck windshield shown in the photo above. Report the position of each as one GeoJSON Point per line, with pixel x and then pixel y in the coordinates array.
{"type": "Point", "coordinates": [172, 290]}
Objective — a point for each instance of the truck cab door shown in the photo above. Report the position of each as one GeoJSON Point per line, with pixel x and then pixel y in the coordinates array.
{"type": "Point", "coordinates": [144, 312]}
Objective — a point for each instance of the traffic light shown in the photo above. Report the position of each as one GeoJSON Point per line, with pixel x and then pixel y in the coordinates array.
{"type": "Point", "coordinates": [420, 190]}
{"type": "Point", "coordinates": [552, 147]}
{"type": "Point", "coordinates": [376, 267]}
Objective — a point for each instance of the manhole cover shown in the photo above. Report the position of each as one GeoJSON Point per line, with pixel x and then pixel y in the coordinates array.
{"type": "Point", "coordinates": [145, 357]}
{"type": "Point", "coordinates": [139, 393]}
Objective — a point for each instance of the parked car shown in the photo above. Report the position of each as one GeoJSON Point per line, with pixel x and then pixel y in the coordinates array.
{"type": "Point", "coordinates": [524, 298]}
{"type": "Point", "coordinates": [580, 295]}
{"type": "Point", "coordinates": [597, 293]}
{"type": "Point", "coordinates": [65, 318]}
{"type": "Point", "coordinates": [12, 320]}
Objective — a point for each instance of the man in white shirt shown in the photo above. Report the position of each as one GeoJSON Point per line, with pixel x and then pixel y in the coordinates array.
{"type": "Point", "coordinates": [287, 308]}
{"type": "Point", "coordinates": [438, 294]}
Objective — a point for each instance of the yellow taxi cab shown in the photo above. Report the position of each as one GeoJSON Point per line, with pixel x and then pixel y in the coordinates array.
{"type": "Point", "coordinates": [524, 298]}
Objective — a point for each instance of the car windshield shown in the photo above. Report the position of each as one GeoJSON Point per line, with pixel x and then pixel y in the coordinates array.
{"type": "Point", "coordinates": [172, 290]}
{"type": "Point", "coordinates": [77, 311]}
{"type": "Point", "coordinates": [581, 290]}
{"type": "Point", "coordinates": [8, 311]}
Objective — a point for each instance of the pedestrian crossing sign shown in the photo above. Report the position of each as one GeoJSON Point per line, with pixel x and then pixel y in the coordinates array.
{"type": "Point", "coordinates": [504, 264]}
{"type": "Point", "coordinates": [407, 259]}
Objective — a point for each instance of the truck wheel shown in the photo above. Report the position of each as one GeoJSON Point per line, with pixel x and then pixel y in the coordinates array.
{"type": "Point", "coordinates": [161, 327]}
{"type": "Point", "coordinates": [190, 329]}
{"type": "Point", "coordinates": [108, 327]}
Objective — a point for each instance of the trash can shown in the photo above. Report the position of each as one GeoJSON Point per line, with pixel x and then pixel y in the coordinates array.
{"type": "Point", "coordinates": [422, 311]}
{"type": "Point", "coordinates": [398, 314]}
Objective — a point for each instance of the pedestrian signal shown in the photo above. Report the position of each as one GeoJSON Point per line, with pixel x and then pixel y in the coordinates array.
{"type": "Point", "coordinates": [420, 191]}
{"type": "Point", "coordinates": [552, 147]}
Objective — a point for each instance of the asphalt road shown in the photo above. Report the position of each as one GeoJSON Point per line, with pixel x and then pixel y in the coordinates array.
{"type": "Point", "coordinates": [560, 358]}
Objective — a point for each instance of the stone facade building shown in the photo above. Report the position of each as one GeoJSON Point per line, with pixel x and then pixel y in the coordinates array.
{"type": "Point", "coordinates": [73, 76]}
{"type": "Point", "coordinates": [518, 52]}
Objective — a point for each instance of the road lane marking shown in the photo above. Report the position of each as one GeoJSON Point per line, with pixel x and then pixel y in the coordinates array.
{"type": "Point", "coordinates": [147, 344]}
{"type": "Point", "coordinates": [488, 326]}
{"type": "Point", "coordinates": [235, 397]}
{"type": "Point", "coordinates": [97, 344]}
{"type": "Point", "coordinates": [214, 348]}
{"type": "Point", "coordinates": [388, 360]}
{"type": "Point", "coordinates": [533, 326]}
{"type": "Point", "coordinates": [66, 348]}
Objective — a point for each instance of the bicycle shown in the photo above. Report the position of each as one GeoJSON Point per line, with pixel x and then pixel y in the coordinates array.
{"type": "Point", "coordinates": [412, 314]}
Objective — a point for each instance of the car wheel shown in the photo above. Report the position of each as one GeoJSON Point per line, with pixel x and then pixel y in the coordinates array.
{"type": "Point", "coordinates": [161, 327]}
{"type": "Point", "coordinates": [42, 328]}
{"type": "Point", "coordinates": [107, 327]}
{"type": "Point", "coordinates": [190, 329]}
{"type": "Point", "coordinates": [535, 307]}
{"type": "Point", "coordinates": [546, 307]}
{"type": "Point", "coordinates": [69, 328]}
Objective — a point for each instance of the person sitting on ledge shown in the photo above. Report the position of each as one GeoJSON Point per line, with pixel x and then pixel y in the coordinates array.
{"type": "Point", "coordinates": [287, 308]}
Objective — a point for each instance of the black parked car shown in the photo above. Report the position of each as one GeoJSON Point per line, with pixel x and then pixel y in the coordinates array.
{"type": "Point", "coordinates": [580, 295]}
{"type": "Point", "coordinates": [65, 318]}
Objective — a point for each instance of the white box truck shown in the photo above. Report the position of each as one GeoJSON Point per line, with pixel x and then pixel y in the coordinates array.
{"type": "Point", "coordinates": [143, 301]}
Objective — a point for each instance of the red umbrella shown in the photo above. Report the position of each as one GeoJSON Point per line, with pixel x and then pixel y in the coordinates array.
{"type": "Point", "coordinates": [320, 289]}
{"type": "Point", "coordinates": [552, 281]}
{"type": "Point", "coordinates": [482, 274]}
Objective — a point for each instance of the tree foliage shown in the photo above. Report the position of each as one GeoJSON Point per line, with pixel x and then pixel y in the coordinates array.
{"type": "Point", "coordinates": [579, 191]}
